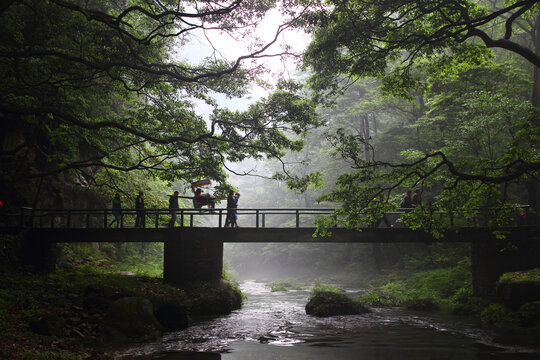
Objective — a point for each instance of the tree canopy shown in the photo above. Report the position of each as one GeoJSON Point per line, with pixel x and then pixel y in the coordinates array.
{"type": "Point", "coordinates": [386, 38]}
{"type": "Point", "coordinates": [470, 68]}
{"type": "Point", "coordinates": [98, 85]}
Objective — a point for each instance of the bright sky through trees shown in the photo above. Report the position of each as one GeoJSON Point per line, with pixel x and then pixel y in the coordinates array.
{"type": "Point", "coordinates": [214, 42]}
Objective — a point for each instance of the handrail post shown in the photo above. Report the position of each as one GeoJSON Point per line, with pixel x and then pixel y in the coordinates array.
{"type": "Point", "coordinates": [87, 220]}
{"type": "Point", "coordinates": [69, 219]}
{"type": "Point", "coordinates": [182, 217]}
{"type": "Point", "coordinates": [157, 218]}
{"type": "Point", "coordinates": [121, 220]}
{"type": "Point", "coordinates": [220, 213]}
{"type": "Point", "coordinates": [105, 219]}
{"type": "Point", "coordinates": [297, 218]}
{"type": "Point", "coordinates": [263, 219]}
{"type": "Point", "coordinates": [257, 218]}
{"type": "Point", "coordinates": [190, 220]}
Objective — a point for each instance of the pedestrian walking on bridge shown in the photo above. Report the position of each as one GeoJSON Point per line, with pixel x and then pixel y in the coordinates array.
{"type": "Point", "coordinates": [139, 208]}
{"type": "Point", "coordinates": [116, 210]}
{"type": "Point", "coordinates": [173, 207]}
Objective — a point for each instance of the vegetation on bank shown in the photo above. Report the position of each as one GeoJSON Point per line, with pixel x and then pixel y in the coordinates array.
{"type": "Point", "coordinates": [517, 315]}
{"type": "Point", "coordinates": [143, 259]}
{"type": "Point", "coordinates": [514, 317]}
{"type": "Point", "coordinates": [285, 285]}
{"type": "Point", "coordinates": [79, 310]}
{"type": "Point", "coordinates": [426, 289]}
{"type": "Point", "coordinates": [61, 313]}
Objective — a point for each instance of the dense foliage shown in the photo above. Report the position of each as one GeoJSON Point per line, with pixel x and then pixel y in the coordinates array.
{"type": "Point", "coordinates": [469, 136]}
{"type": "Point", "coordinates": [93, 90]}
{"type": "Point", "coordinates": [99, 97]}
{"type": "Point", "coordinates": [388, 39]}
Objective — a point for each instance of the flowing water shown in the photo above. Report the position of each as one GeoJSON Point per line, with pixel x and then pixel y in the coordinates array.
{"type": "Point", "coordinates": [275, 326]}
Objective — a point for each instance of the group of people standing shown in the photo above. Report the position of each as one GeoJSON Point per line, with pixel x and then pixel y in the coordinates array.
{"type": "Point", "coordinates": [232, 205]}
{"type": "Point", "coordinates": [411, 200]}
{"type": "Point", "coordinates": [139, 210]}
{"type": "Point", "coordinates": [140, 221]}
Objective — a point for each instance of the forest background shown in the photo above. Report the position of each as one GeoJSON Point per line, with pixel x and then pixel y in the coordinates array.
{"type": "Point", "coordinates": [97, 98]}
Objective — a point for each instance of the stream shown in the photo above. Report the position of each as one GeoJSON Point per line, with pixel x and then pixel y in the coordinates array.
{"type": "Point", "coordinates": [274, 325]}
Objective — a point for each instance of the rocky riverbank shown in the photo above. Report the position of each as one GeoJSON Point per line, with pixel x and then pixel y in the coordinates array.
{"type": "Point", "coordinates": [80, 315]}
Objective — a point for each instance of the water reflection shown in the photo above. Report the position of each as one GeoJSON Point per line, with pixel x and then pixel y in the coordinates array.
{"type": "Point", "coordinates": [275, 326]}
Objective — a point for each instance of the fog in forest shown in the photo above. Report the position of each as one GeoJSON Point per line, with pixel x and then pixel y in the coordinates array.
{"type": "Point", "coordinates": [416, 123]}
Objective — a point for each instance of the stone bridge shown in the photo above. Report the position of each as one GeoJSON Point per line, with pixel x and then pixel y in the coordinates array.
{"type": "Point", "coordinates": [194, 253]}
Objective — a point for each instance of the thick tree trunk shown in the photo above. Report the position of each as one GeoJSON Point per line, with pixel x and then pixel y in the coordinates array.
{"type": "Point", "coordinates": [533, 185]}
{"type": "Point", "coordinates": [536, 75]}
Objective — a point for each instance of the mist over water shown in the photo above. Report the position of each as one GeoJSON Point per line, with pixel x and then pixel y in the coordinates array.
{"type": "Point", "coordinates": [274, 325]}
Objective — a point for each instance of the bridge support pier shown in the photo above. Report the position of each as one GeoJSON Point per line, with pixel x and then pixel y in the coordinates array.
{"type": "Point", "coordinates": [38, 253]}
{"type": "Point", "coordinates": [192, 258]}
{"type": "Point", "coordinates": [491, 258]}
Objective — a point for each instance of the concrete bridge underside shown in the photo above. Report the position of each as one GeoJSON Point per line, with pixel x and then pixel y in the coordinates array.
{"type": "Point", "coordinates": [196, 254]}
{"type": "Point", "coordinates": [269, 235]}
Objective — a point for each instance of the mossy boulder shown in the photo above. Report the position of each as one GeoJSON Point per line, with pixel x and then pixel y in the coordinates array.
{"type": "Point", "coordinates": [171, 307]}
{"type": "Point", "coordinates": [514, 327]}
{"type": "Point", "coordinates": [48, 325]}
{"type": "Point", "coordinates": [519, 287]}
{"type": "Point", "coordinates": [329, 303]}
{"type": "Point", "coordinates": [99, 296]}
{"type": "Point", "coordinates": [172, 315]}
{"type": "Point", "coordinates": [497, 315]}
{"type": "Point", "coordinates": [131, 318]}
{"type": "Point", "coordinates": [529, 314]}
{"type": "Point", "coordinates": [215, 298]}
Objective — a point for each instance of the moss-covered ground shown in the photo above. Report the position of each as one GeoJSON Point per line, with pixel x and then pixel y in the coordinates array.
{"type": "Point", "coordinates": [77, 299]}
{"type": "Point", "coordinates": [58, 316]}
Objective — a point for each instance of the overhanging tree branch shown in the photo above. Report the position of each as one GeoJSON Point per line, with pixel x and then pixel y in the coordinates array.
{"type": "Point", "coordinates": [512, 171]}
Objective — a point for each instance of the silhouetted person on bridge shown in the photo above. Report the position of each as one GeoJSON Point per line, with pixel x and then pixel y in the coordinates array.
{"type": "Point", "coordinates": [236, 198]}
{"type": "Point", "coordinates": [406, 203]}
{"type": "Point", "coordinates": [116, 210]}
{"type": "Point", "coordinates": [173, 207]}
{"type": "Point", "coordinates": [231, 206]}
{"type": "Point", "coordinates": [139, 208]}
{"type": "Point", "coordinates": [416, 198]}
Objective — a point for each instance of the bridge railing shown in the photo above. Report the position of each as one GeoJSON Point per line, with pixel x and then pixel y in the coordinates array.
{"type": "Point", "coordinates": [158, 218]}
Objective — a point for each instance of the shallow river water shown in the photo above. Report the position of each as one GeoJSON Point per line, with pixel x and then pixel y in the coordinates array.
{"type": "Point", "coordinates": [275, 326]}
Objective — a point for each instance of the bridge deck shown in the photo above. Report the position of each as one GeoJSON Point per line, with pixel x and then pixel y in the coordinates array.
{"type": "Point", "coordinates": [273, 235]}
{"type": "Point", "coordinates": [93, 225]}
